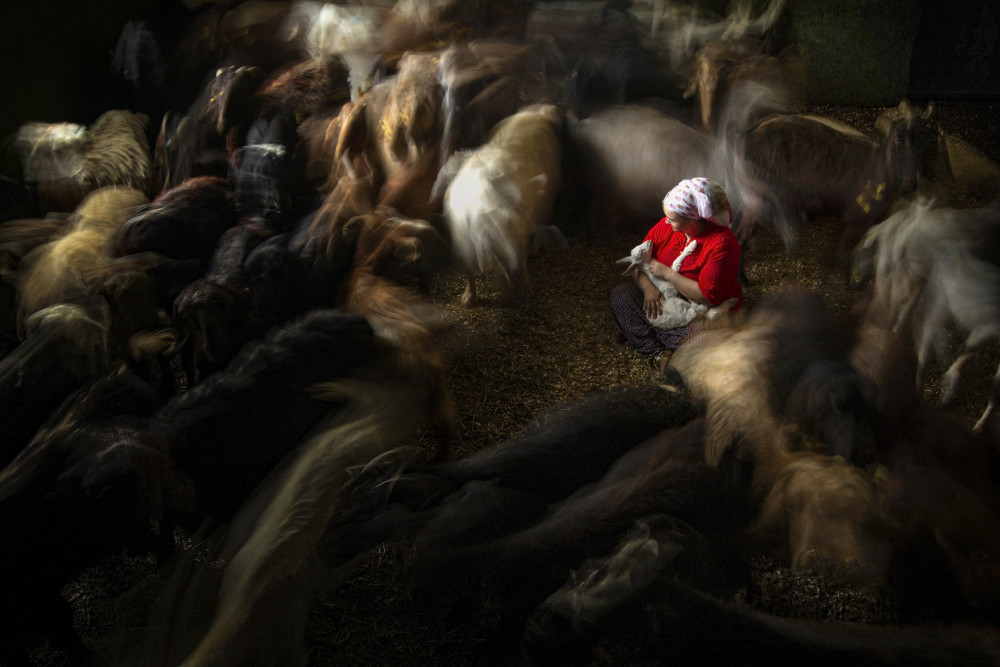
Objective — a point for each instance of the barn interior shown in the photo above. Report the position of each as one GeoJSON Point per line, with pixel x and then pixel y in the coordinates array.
{"type": "Point", "coordinates": [213, 456]}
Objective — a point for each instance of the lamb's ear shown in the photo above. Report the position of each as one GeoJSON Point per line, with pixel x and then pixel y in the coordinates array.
{"type": "Point", "coordinates": [633, 265]}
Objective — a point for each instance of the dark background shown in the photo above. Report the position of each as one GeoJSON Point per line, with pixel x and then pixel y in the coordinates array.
{"type": "Point", "coordinates": [56, 54]}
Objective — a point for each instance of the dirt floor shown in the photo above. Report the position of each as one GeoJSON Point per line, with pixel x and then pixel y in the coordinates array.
{"type": "Point", "coordinates": [507, 362]}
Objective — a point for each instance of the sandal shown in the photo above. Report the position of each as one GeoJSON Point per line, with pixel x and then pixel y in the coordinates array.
{"type": "Point", "coordinates": [660, 361]}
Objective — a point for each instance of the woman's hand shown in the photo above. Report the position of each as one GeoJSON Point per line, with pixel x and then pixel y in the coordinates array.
{"type": "Point", "coordinates": [651, 300]}
{"type": "Point", "coordinates": [658, 269]}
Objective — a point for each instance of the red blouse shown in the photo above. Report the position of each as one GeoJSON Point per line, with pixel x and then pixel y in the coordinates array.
{"type": "Point", "coordinates": [715, 262]}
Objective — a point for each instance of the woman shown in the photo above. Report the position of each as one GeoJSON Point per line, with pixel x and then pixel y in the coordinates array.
{"type": "Point", "coordinates": [697, 219]}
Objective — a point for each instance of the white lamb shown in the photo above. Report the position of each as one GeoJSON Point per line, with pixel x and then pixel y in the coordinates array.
{"type": "Point", "coordinates": [675, 310]}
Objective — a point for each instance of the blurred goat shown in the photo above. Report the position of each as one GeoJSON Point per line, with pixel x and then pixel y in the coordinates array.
{"type": "Point", "coordinates": [498, 198]}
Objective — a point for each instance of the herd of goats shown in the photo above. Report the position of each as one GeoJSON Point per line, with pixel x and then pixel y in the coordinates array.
{"type": "Point", "coordinates": [218, 322]}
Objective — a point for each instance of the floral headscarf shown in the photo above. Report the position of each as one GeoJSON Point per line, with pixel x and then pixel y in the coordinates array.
{"type": "Point", "coordinates": [700, 198]}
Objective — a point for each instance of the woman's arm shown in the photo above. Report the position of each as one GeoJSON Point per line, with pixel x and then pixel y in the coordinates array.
{"type": "Point", "coordinates": [686, 286]}
{"type": "Point", "coordinates": [650, 295]}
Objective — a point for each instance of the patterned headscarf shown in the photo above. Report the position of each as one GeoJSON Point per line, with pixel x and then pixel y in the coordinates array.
{"type": "Point", "coordinates": [700, 198]}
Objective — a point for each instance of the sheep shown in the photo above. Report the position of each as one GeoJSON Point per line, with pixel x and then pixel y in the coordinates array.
{"type": "Point", "coordinates": [499, 197]}
{"type": "Point", "coordinates": [675, 310]}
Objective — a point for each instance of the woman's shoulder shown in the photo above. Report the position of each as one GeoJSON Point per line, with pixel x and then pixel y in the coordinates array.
{"type": "Point", "coordinates": [722, 235]}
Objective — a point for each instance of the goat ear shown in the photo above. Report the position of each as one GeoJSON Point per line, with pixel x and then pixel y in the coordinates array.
{"type": "Point", "coordinates": [631, 267]}
{"type": "Point", "coordinates": [353, 130]}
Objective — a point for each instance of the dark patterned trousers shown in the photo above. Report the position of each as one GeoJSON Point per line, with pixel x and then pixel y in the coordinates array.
{"type": "Point", "coordinates": [626, 307]}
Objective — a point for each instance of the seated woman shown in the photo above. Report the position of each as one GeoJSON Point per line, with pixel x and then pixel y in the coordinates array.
{"type": "Point", "coordinates": [696, 222]}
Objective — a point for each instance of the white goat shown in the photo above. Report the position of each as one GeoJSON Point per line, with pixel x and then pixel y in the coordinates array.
{"type": "Point", "coordinates": [675, 310]}
{"type": "Point", "coordinates": [500, 195]}
{"type": "Point", "coordinates": [935, 270]}
{"type": "Point", "coordinates": [899, 252]}
{"type": "Point", "coordinates": [962, 294]}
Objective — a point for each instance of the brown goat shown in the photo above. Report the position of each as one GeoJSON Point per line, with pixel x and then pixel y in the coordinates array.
{"type": "Point", "coordinates": [406, 322]}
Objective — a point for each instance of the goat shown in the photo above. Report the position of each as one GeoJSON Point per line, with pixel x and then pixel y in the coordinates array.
{"type": "Point", "coordinates": [265, 176]}
{"type": "Point", "coordinates": [897, 254]}
{"type": "Point", "coordinates": [655, 585]}
{"type": "Point", "coordinates": [200, 142]}
{"type": "Point", "coordinates": [91, 482]}
{"type": "Point", "coordinates": [934, 270]}
{"type": "Point", "coordinates": [407, 251]}
{"type": "Point", "coordinates": [955, 173]}
{"type": "Point", "coordinates": [221, 431]}
{"type": "Point", "coordinates": [182, 223]}
{"type": "Point", "coordinates": [523, 562]}
{"type": "Point", "coordinates": [595, 55]}
{"type": "Point", "coordinates": [962, 293]}
{"type": "Point", "coordinates": [772, 368]}
{"type": "Point", "coordinates": [347, 33]}
{"type": "Point", "coordinates": [64, 269]}
{"type": "Point", "coordinates": [402, 114]}
{"type": "Point", "coordinates": [396, 388]}
{"type": "Point", "coordinates": [66, 161]}
{"type": "Point", "coordinates": [848, 175]}
{"type": "Point", "coordinates": [499, 197]}
{"type": "Point", "coordinates": [581, 437]}
{"type": "Point", "coordinates": [724, 69]}
{"type": "Point", "coordinates": [64, 346]}
{"type": "Point", "coordinates": [481, 82]}
{"type": "Point", "coordinates": [675, 310]}
{"type": "Point", "coordinates": [625, 154]}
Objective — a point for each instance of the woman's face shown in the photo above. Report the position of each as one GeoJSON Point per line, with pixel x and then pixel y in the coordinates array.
{"type": "Point", "coordinates": [681, 224]}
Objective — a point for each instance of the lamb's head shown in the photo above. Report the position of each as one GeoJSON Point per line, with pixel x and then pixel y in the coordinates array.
{"type": "Point", "coordinates": [638, 257]}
